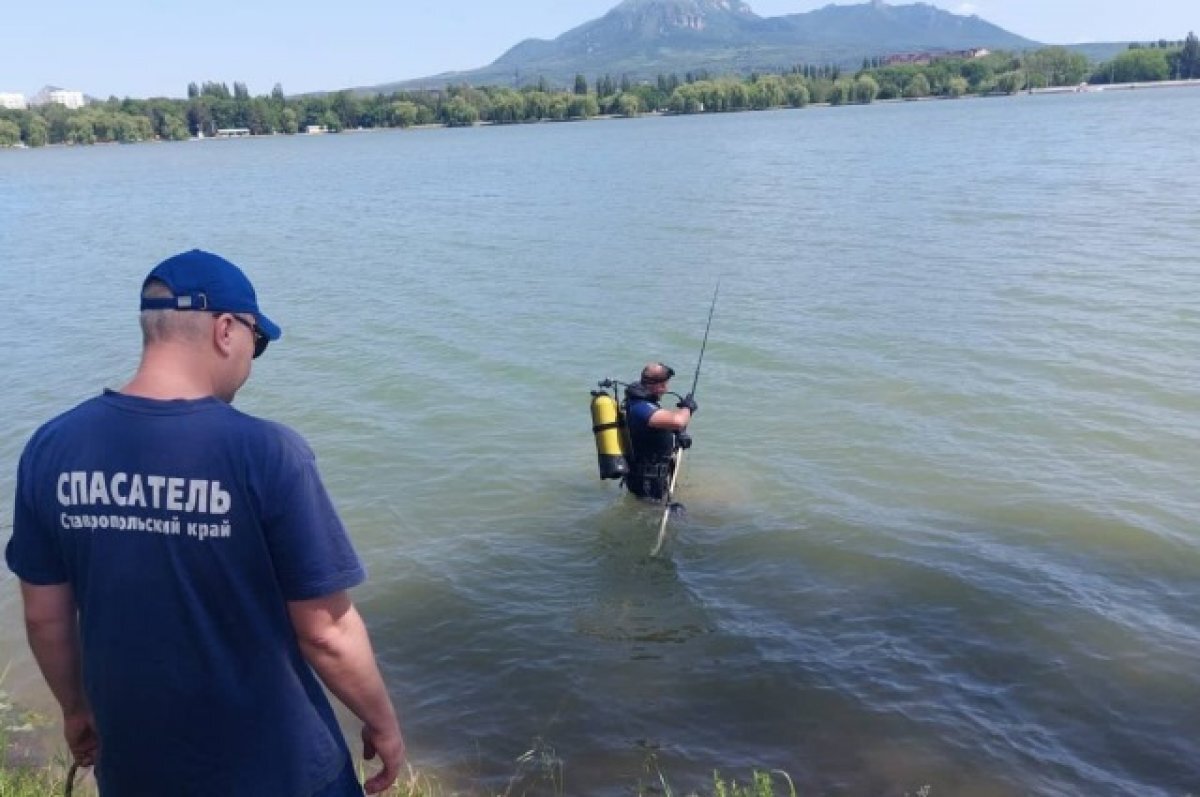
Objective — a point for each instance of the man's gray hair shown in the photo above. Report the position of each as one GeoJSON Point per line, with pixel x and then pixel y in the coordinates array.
{"type": "Point", "coordinates": [163, 325]}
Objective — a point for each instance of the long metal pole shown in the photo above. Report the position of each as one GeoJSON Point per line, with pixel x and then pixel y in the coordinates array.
{"type": "Point", "coordinates": [704, 345]}
{"type": "Point", "coordinates": [662, 526]}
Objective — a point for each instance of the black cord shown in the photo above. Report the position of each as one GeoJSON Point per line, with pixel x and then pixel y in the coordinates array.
{"type": "Point", "coordinates": [70, 787]}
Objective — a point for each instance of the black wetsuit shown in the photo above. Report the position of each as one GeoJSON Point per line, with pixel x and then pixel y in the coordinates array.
{"type": "Point", "coordinates": [652, 450]}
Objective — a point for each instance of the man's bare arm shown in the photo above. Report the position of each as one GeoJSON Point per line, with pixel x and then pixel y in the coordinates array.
{"type": "Point", "coordinates": [334, 641]}
{"type": "Point", "coordinates": [52, 626]}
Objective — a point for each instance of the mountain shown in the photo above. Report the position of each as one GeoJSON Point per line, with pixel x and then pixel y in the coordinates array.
{"type": "Point", "coordinates": [643, 38]}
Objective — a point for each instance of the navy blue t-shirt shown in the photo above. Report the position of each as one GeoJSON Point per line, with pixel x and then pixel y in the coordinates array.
{"type": "Point", "coordinates": [650, 445]}
{"type": "Point", "coordinates": [183, 528]}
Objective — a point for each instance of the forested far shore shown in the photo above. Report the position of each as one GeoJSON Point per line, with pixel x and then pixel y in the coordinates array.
{"type": "Point", "coordinates": [211, 107]}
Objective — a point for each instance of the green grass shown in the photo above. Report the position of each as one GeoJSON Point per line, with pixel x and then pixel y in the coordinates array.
{"type": "Point", "coordinates": [18, 780]}
{"type": "Point", "coordinates": [538, 770]}
{"type": "Point", "coordinates": [50, 780]}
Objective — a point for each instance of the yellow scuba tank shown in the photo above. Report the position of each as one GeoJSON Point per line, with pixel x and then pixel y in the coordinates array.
{"type": "Point", "coordinates": [608, 427]}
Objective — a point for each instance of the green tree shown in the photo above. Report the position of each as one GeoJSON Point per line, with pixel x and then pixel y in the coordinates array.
{"type": "Point", "coordinates": [36, 131]}
{"type": "Point", "coordinates": [346, 106]}
{"type": "Point", "coordinates": [840, 93]}
{"type": "Point", "coordinates": [57, 119]}
{"type": "Point", "coordinates": [560, 106]}
{"type": "Point", "coordinates": [957, 87]}
{"type": "Point", "coordinates": [668, 83]}
{"type": "Point", "coordinates": [128, 128]}
{"type": "Point", "coordinates": [172, 127]}
{"type": "Point", "coordinates": [1057, 65]}
{"type": "Point", "coordinates": [288, 122]}
{"type": "Point", "coordinates": [1189, 57]}
{"type": "Point", "coordinates": [769, 92]}
{"type": "Point", "coordinates": [199, 117]}
{"type": "Point", "coordinates": [977, 70]}
{"type": "Point", "coordinates": [581, 86]}
{"type": "Point", "coordinates": [103, 123]}
{"type": "Point", "coordinates": [819, 89]}
{"type": "Point", "coordinates": [218, 91]}
{"type": "Point", "coordinates": [889, 89]}
{"type": "Point", "coordinates": [685, 99]}
{"type": "Point", "coordinates": [865, 89]}
{"type": "Point", "coordinates": [628, 104]}
{"type": "Point", "coordinates": [650, 97]}
{"type": "Point", "coordinates": [1134, 66]}
{"type": "Point", "coordinates": [917, 87]}
{"type": "Point", "coordinates": [797, 94]}
{"type": "Point", "coordinates": [405, 113]}
{"type": "Point", "coordinates": [584, 107]}
{"type": "Point", "coordinates": [507, 106]}
{"type": "Point", "coordinates": [262, 118]}
{"type": "Point", "coordinates": [1010, 82]}
{"type": "Point", "coordinates": [10, 133]}
{"type": "Point", "coordinates": [537, 105]}
{"type": "Point", "coordinates": [459, 113]}
{"type": "Point", "coordinates": [80, 130]}
{"type": "Point", "coordinates": [331, 121]}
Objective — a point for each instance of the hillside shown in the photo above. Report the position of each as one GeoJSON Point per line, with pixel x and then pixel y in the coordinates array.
{"type": "Point", "coordinates": [643, 38]}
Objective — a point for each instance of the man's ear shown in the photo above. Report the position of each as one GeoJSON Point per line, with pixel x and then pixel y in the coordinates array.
{"type": "Point", "coordinates": [222, 334]}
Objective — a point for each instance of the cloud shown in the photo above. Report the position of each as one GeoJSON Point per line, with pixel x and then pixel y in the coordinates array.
{"type": "Point", "coordinates": [966, 9]}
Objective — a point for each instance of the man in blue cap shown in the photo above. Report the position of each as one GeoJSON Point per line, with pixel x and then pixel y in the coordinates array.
{"type": "Point", "coordinates": [184, 572]}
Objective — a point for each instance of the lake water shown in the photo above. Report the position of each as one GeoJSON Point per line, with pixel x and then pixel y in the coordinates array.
{"type": "Point", "coordinates": [942, 502]}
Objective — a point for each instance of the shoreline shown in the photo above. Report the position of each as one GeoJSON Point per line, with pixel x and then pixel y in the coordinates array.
{"type": "Point", "coordinates": [1083, 88]}
{"type": "Point", "coordinates": [1091, 88]}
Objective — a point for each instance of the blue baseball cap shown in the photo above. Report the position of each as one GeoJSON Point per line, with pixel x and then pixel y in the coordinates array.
{"type": "Point", "coordinates": [201, 280]}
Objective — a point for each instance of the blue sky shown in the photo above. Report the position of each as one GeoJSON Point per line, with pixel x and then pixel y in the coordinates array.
{"type": "Point", "coordinates": [143, 48]}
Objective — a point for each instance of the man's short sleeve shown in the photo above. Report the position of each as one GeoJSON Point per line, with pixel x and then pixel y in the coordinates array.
{"type": "Point", "coordinates": [33, 553]}
{"type": "Point", "coordinates": [640, 412]}
{"type": "Point", "coordinates": [310, 549]}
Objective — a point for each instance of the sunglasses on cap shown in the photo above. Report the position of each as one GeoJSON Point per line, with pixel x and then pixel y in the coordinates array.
{"type": "Point", "coordinates": [658, 380]}
{"type": "Point", "coordinates": [260, 339]}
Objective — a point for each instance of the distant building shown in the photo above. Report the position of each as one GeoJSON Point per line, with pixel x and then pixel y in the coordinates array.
{"type": "Point", "coordinates": [13, 101]}
{"type": "Point", "coordinates": [922, 59]}
{"type": "Point", "coordinates": [314, 130]}
{"type": "Point", "coordinates": [232, 132]}
{"type": "Point", "coordinates": [895, 59]}
{"type": "Point", "coordinates": [71, 99]}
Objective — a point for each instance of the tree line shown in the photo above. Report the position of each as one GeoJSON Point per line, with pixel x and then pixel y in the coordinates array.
{"type": "Point", "coordinates": [212, 106]}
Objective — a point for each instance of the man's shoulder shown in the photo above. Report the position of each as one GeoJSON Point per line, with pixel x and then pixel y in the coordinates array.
{"type": "Point", "coordinates": [640, 408]}
{"type": "Point", "coordinates": [280, 435]}
{"type": "Point", "coordinates": [81, 413]}
{"type": "Point", "coordinates": [214, 417]}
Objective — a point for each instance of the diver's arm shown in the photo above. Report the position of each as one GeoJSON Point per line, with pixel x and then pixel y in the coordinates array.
{"type": "Point", "coordinates": [674, 420]}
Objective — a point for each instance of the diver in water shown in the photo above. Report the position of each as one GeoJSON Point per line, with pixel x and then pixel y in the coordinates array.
{"type": "Point", "coordinates": [655, 434]}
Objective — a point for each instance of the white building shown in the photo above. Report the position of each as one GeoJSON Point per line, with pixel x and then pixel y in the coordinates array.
{"type": "Point", "coordinates": [13, 101]}
{"type": "Point", "coordinates": [71, 99]}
